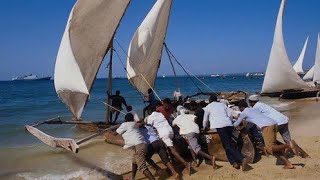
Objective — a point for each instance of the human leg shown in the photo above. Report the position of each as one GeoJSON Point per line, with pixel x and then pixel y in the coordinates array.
{"type": "Point", "coordinates": [140, 159]}
{"type": "Point", "coordinates": [233, 155]}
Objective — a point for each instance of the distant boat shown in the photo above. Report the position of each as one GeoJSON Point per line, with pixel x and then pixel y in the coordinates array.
{"type": "Point", "coordinates": [298, 65]}
{"type": "Point", "coordinates": [163, 76]}
{"type": "Point", "coordinates": [215, 75]}
{"type": "Point", "coordinates": [248, 74]}
{"type": "Point", "coordinates": [30, 77]}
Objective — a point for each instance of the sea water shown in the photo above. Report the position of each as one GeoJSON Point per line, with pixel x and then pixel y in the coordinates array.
{"type": "Point", "coordinates": [24, 102]}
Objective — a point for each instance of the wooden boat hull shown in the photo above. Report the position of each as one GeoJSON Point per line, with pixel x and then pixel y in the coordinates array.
{"type": "Point", "coordinates": [296, 94]}
{"type": "Point", "coordinates": [215, 147]}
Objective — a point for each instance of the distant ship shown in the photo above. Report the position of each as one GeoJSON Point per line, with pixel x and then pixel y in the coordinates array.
{"type": "Point", "coordinates": [30, 77]}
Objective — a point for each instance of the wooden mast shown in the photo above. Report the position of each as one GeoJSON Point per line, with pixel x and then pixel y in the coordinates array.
{"type": "Point", "coordinates": [109, 92]}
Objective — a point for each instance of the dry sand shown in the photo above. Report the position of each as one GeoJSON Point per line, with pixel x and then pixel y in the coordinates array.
{"type": "Point", "coordinates": [304, 125]}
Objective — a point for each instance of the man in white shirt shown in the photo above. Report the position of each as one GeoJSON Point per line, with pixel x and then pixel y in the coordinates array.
{"type": "Point", "coordinates": [134, 113]}
{"type": "Point", "coordinates": [268, 127]}
{"type": "Point", "coordinates": [217, 114]}
{"type": "Point", "coordinates": [135, 140]}
{"type": "Point", "coordinates": [282, 120]}
{"type": "Point", "coordinates": [190, 131]}
{"type": "Point", "coordinates": [165, 132]}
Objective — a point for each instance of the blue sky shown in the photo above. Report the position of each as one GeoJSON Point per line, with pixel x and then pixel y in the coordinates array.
{"type": "Point", "coordinates": [207, 36]}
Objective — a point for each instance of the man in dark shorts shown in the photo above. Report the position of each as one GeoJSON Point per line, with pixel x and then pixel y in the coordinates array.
{"type": "Point", "coordinates": [117, 102]}
{"type": "Point", "coordinates": [155, 145]}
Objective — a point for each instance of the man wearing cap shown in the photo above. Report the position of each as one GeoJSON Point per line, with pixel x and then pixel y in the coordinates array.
{"type": "Point", "coordinates": [282, 120]}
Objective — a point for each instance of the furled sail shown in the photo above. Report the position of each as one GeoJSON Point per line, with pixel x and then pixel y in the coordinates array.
{"type": "Point", "coordinates": [309, 74]}
{"type": "Point", "coordinates": [279, 74]}
{"type": "Point", "coordinates": [145, 48]}
{"type": "Point", "coordinates": [298, 65]}
{"type": "Point", "coordinates": [316, 75]}
{"type": "Point", "coordinates": [85, 42]}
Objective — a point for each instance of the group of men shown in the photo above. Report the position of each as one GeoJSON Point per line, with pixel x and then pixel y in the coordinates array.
{"type": "Point", "coordinates": [155, 133]}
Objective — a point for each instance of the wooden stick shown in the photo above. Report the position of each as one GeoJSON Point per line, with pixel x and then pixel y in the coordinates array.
{"type": "Point", "coordinates": [150, 87]}
{"type": "Point", "coordinates": [96, 134]}
{"type": "Point", "coordinates": [113, 108]}
{"type": "Point", "coordinates": [46, 121]}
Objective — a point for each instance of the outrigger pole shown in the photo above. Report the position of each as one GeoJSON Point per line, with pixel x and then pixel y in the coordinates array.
{"type": "Point", "coordinates": [65, 143]}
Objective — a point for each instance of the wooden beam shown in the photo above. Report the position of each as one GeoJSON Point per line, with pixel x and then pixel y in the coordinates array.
{"type": "Point", "coordinates": [65, 143]}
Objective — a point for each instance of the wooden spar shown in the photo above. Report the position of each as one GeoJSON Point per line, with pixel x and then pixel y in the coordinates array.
{"type": "Point", "coordinates": [150, 87]}
{"type": "Point", "coordinates": [113, 108]}
{"type": "Point", "coordinates": [108, 120]}
{"type": "Point", "coordinates": [46, 121]}
{"type": "Point", "coordinates": [65, 143]}
{"type": "Point", "coordinates": [68, 144]}
{"type": "Point", "coordinates": [96, 134]}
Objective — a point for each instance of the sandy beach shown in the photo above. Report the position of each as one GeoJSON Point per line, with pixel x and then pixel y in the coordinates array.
{"type": "Point", "coordinates": [304, 125]}
{"type": "Point", "coordinates": [99, 160]}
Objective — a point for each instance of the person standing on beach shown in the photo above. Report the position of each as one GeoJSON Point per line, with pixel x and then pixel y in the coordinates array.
{"type": "Point", "coordinates": [281, 119]}
{"type": "Point", "coordinates": [151, 100]}
{"type": "Point", "coordinates": [268, 128]}
{"type": "Point", "coordinates": [217, 114]}
{"type": "Point", "coordinates": [135, 140]}
{"type": "Point", "coordinates": [189, 130]}
{"type": "Point", "coordinates": [165, 132]}
{"type": "Point", "coordinates": [117, 101]}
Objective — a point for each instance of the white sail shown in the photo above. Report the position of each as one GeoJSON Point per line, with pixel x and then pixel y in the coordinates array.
{"type": "Point", "coordinates": [309, 74]}
{"type": "Point", "coordinates": [279, 74]}
{"type": "Point", "coordinates": [298, 65]}
{"type": "Point", "coordinates": [316, 75]}
{"type": "Point", "coordinates": [88, 33]}
{"type": "Point", "coordinates": [145, 48]}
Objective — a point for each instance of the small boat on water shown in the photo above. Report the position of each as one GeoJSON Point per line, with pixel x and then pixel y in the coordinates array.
{"type": "Point", "coordinates": [30, 77]}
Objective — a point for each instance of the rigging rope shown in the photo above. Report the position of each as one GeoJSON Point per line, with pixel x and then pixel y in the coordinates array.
{"type": "Point", "coordinates": [174, 71]}
{"type": "Point", "coordinates": [188, 72]}
{"type": "Point", "coordinates": [142, 97]}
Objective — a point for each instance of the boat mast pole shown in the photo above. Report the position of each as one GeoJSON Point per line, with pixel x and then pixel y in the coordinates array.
{"type": "Point", "coordinates": [109, 92]}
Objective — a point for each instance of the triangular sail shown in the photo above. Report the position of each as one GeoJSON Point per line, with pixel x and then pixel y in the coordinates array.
{"type": "Point", "coordinates": [309, 74]}
{"type": "Point", "coordinates": [279, 74]}
{"type": "Point", "coordinates": [298, 65]}
{"type": "Point", "coordinates": [145, 48]}
{"type": "Point", "coordinates": [89, 31]}
{"type": "Point", "coordinates": [316, 75]}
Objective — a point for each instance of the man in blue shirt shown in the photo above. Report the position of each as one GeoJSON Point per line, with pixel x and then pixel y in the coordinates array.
{"type": "Point", "coordinates": [151, 100]}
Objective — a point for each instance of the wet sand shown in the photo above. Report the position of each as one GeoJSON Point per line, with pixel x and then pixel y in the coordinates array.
{"type": "Point", "coordinates": [99, 160]}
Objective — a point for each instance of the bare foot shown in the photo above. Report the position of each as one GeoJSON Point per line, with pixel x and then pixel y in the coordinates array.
{"type": "Point", "coordinates": [294, 148]}
{"type": "Point", "coordinates": [214, 165]}
{"type": "Point", "coordinates": [176, 176]}
{"type": "Point", "coordinates": [236, 165]}
{"type": "Point", "coordinates": [244, 164]}
{"type": "Point", "coordinates": [188, 167]}
{"type": "Point", "coordinates": [289, 166]}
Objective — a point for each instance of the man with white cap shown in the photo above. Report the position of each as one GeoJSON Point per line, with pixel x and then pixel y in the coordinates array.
{"type": "Point", "coordinates": [281, 119]}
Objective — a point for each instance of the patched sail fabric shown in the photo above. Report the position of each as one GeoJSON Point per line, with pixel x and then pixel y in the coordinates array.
{"type": "Point", "coordinates": [145, 48]}
{"type": "Point", "coordinates": [85, 42]}
{"type": "Point", "coordinates": [309, 74]}
{"type": "Point", "coordinates": [279, 74]}
{"type": "Point", "coordinates": [316, 75]}
{"type": "Point", "coordinates": [298, 65]}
